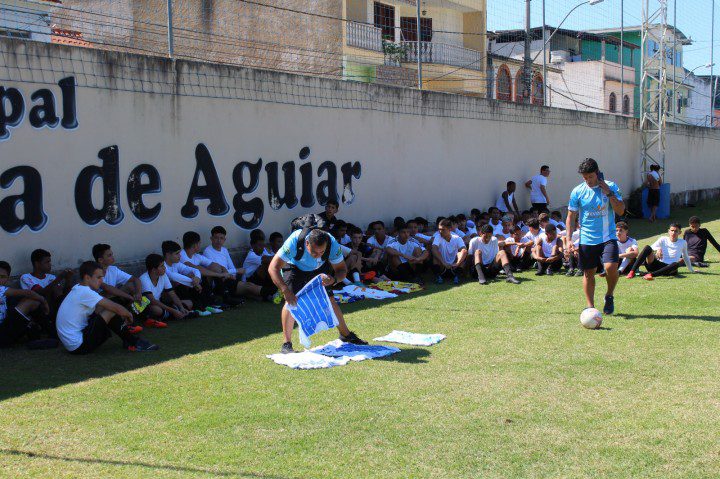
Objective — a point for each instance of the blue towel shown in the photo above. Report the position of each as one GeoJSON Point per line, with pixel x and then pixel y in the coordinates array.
{"type": "Point", "coordinates": [313, 312]}
{"type": "Point", "coordinates": [354, 352]}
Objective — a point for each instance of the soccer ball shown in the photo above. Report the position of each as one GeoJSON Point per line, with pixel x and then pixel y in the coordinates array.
{"type": "Point", "coordinates": [591, 318]}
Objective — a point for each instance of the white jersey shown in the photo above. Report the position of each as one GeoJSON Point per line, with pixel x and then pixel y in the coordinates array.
{"type": "Point", "coordinates": [115, 277]}
{"type": "Point", "coordinates": [536, 194]}
{"type": "Point", "coordinates": [73, 314]}
{"type": "Point", "coordinates": [488, 251]}
{"type": "Point", "coordinates": [623, 249]}
{"type": "Point", "coordinates": [28, 281]}
{"type": "Point", "coordinates": [449, 248]}
{"type": "Point", "coordinates": [407, 249]}
{"type": "Point", "coordinates": [500, 203]}
{"type": "Point", "coordinates": [547, 247]}
{"type": "Point", "coordinates": [671, 252]}
{"type": "Point", "coordinates": [197, 259]}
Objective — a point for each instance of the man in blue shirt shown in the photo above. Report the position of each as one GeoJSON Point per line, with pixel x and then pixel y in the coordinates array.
{"type": "Point", "coordinates": [290, 275]}
{"type": "Point", "coordinates": [595, 202]}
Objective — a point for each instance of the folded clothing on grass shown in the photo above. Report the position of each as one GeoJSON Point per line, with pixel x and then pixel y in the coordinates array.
{"type": "Point", "coordinates": [415, 339]}
{"type": "Point", "coordinates": [354, 352]}
{"type": "Point", "coordinates": [307, 360]}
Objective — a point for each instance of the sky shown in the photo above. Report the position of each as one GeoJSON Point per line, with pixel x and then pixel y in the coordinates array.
{"type": "Point", "coordinates": [692, 17]}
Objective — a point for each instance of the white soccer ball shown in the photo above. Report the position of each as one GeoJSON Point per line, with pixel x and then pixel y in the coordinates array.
{"type": "Point", "coordinates": [591, 318]}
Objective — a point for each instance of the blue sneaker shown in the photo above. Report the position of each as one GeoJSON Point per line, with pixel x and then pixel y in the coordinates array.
{"type": "Point", "coordinates": [609, 307]}
{"type": "Point", "coordinates": [439, 280]}
{"type": "Point", "coordinates": [456, 280]}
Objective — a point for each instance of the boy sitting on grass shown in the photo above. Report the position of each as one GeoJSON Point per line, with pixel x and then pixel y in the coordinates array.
{"type": "Point", "coordinates": [548, 252]}
{"type": "Point", "coordinates": [85, 319]}
{"type": "Point", "coordinates": [406, 257]}
{"type": "Point", "coordinates": [664, 257]}
{"type": "Point", "coordinates": [697, 239]}
{"type": "Point", "coordinates": [488, 258]}
{"type": "Point", "coordinates": [16, 308]}
{"type": "Point", "coordinates": [157, 288]}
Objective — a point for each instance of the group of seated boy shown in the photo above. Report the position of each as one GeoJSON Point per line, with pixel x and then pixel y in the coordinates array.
{"type": "Point", "coordinates": [82, 311]}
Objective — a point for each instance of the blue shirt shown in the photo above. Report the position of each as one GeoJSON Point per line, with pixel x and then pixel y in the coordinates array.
{"type": "Point", "coordinates": [307, 262]}
{"type": "Point", "coordinates": [597, 218]}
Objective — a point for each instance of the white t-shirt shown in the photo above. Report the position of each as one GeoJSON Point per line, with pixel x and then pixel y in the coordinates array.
{"type": "Point", "coordinates": [576, 238]}
{"type": "Point", "coordinates": [221, 257]}
{"type": "Point", "coordinates": [449, 249]}
{"type": "Point", "coordinates": [547, 247]}
{"type": "Point", "coordinates": [197, 259]}
{"type": "Point", "coordinates": [252, 262]}
{"type": "Point", "coordinates": [372, 241]}
{"type": "Point", "coordinates": [181, 273]}
{"type": "Point", "coordinates": [488, 250]}
{"type": "Point", "coordinates": [497, 228]}
{"type": "Point", "coordinates": [623, 249]}
{"type": "Point", "coordinates": [156, 290]}
{"type": "Point", "coordinates": [536, 195]}
{"type": "Point", "coordinates": [28, 281]}
{"type": "Point", "coordinates": [500, 203]}
{"type": "Point", "coordinates": [671, 252]}
{"type": "Point", "coordinates": [3, 303]}
{"type": "Point", "coordinates": [417, 242]}
{"type": "Point", "coordinates": [655, 175]}
{"type": "Point", "coordinates": [530, 236]}
{"type": "Point", "coordinates": [422, 237]}
{"type": "Point", "coordinates": [115, 277]}
{"type": "Point", "coordinates": [407, 249]}
{"type": "Point", "coordinates": [72, 317]}
{"type": "Point", "coordinates": [345, 239]}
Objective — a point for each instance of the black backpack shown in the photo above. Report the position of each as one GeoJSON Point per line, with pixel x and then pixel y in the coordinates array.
{"type": "Point", "coordinates": [307, 223]}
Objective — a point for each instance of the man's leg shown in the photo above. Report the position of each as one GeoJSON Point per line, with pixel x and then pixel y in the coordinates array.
{"type": "Point", "coordinates": [287, 324]}
{"type": "Point", "coordinates": [504, 260]}
{"type": "Point", "coordinates": [589, 286]}
{"type": "Point", "coordinates": [646, 255]}
{"type": "Point", "coordinates": [666, 269]}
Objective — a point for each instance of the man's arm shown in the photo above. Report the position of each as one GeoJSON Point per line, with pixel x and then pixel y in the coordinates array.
{"type": "Point", "coordinates": [712, 241]}
{"type": "Point", "coordinates": [528, 184]}
{"type": "Point", "coordinates": [507, 203]}
{"type": "Point", "coordinates": [113, 291]}
{"type": "Point", "coordinates": [116, 308]}
{"type": "Point", "coordinates": [461, 257]}
{"type": "Point", "coordinates": [438, 257]}
{"type": "Point", "coordinates": [686, 258]}
{"type": "Point", "coordinates": [515, 208]}
{"type": "Point", "coordinates": [569, 229]}
{"type": "Point", "coordinates": [276, 265]}
{"type": "Point", "coordinates": [340, 273]}
{"type": "Point", "coordinates": [544, 192]}
{"type": "Point", "coordinates": [617, 203]}
{"type": "Point", "coordinates": [29, 294]}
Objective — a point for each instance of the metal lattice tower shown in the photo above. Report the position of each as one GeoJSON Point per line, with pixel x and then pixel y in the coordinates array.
{"type": "Point", "coordinates": [653, 85]}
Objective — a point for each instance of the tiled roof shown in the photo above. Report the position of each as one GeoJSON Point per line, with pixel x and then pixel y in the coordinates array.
{"type": "Point", "coordinates": [68, 37]}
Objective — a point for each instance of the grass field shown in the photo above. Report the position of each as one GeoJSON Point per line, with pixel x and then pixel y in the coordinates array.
{"type": "Point", "coordinates": [518, 389]}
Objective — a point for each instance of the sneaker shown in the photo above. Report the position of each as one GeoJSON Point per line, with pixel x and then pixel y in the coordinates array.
{"type": "Point", "coordinates": [539, 273]}
{"type": "Point", "coordinates": [549, 272]}
{"type": "Point", "coordinates": [570, 272]}
{"type": "Point", "coordinates": [456, 280]}
{"type": "Point", "coordinates": [483, 282]}
{"type": "Point", "coordinates": [353, 339]}
{"type": "Point", "coordinates": [579, 272]}
{"type": "Point", "coordinates": [287, 348]}
{"type": "Point", "coordinates": [142, 345]}
{"type": "Point", "coordinates": [154, 323]}
{"type": "Point", "coordinates": [631, 274]}
{"type": "Point", "coordinates": [609, 307]}
{"type": "Point", "coordinates": [213, 310]}
{"type": "Point", "coordinates": [439, 280]}
{"type": "Point", "coordinates": [277, 298]}
{"type": "Point", "coordinates": [603, 274]}
{"type": "Point", "coordinates": [512, 280]}
{"type": "Point", "coordinates": [648, 277]}
{"type": "Point", "coordinates": [132, 329]}
{"type": "Point", "coordinates": [703, 265]}
{"type": "Point", "coordinates": [203, 313]}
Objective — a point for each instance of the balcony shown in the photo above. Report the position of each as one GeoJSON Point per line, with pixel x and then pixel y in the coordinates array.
{"type": "Point", "coordinates": [362, 35]}
{"type": "Point", "coordinates": [442, 54]}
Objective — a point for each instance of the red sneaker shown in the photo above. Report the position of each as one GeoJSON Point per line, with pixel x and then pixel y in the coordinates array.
{"type": "Point", "coordinates": [648, 277]}
{"type": "Point", "coordinates": [154, 323]}
{"type": "Point", "coordinates": [631, 274]}
{"type": "Point", "coordinates": [134, 329]}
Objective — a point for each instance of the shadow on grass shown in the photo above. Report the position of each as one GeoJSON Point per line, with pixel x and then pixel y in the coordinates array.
{"type": "Point", "coordinates": [689, 317]}
{"type": "Point", "coordinates": [38, 370]}
{"type": "Point", "coordinates": [410, 356]}
{"type": "Point", "coordinates": [146, 465]}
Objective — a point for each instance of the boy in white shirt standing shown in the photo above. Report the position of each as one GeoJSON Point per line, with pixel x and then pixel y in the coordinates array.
{"type": "Point", "coordinates": [538, 190]}
{"type": "Point", "coordinates": [664, 257]}
{"type": "Point", "coordinates": [488, 258]}
{"type": "Point", "coordinates": [85, 319]}
{"type": "Point", "coordinates": [449, 253]}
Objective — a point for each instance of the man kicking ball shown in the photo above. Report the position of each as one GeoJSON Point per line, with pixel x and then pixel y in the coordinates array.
{"type": "Point", "coordinates": [296, 265]}
{"type": "Point", "coordinates": [596, 202]}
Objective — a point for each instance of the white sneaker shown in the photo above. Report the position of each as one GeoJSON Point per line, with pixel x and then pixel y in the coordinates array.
{"type": "Point", "coordinates": [203, 313]}
{"type": "Point", "coordinates": [213, 310]}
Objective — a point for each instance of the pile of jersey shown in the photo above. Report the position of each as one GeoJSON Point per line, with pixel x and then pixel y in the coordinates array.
{"type": "Point", "coordinates": [377, 291]}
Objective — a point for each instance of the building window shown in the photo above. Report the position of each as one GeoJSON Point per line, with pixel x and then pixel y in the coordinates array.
{"type": "Point", "coordinates": [538, 90]}
{"type": "Point", "coordinates": [504, 84]}
{"type": "Point", "coordinates": [10, 33]}
{"type": "Point", "coordinates": [385, 20]}
{"type": "Point", "coordinates": [408, 29]}
{"type": "Point", "coordinates": [626, 105]}
{"type": "Point", "coordinates": [613, 103]}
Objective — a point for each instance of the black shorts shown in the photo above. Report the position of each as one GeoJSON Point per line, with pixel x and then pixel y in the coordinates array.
{"type": "Point", "coordinates": [540, 207]}
{"type": "Point", "coordinates": [94, 335]}
{"type": "Point", "coordinates": [13, 327]}
{"type": "Point", "coordinates": [491, 270]}
{"type": "Point", "coordinates": [591, 256]}
{"type": "Point", "coordinates": [295, 278]}
{"type": "Point", "coordinates": [653, 198]}
{"type": "Point", "coordinates": [656, 265]}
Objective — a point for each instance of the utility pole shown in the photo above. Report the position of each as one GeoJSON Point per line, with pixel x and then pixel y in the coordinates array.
{"type": "Point", "coordinates": [419, 38]}
{"type": "Point", "coordinates": [622, 57]}
{"type": "Point", "coordinates": [713, 86]}
{"type": "Point", "coordinates": [544, 78]}
{"type": "Point", "coordinates": [527, 67]}
{"type": "Point", "coordinates": [170, 28]}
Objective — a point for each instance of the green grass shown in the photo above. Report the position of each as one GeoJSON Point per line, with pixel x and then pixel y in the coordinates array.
{"type": "Point", "coordinates": [518, 389]}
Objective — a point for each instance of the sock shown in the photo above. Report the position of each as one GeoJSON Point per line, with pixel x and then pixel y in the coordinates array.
{"type": "Point", "coordinates": [481, 275]}
{"type": "Point", "coordinates": [347, 282]}
{"type": "Point", "coordinates": [356, 277]}
{"type": "Point", "coordinates": [508, 270]}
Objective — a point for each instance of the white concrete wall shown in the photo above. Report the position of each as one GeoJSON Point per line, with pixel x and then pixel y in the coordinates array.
{"type": "Point", "coordinates": [420, 154]}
